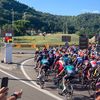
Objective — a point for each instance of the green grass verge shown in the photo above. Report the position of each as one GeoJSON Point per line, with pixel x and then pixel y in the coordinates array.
{"type": "Point", "coordinates": [48, 39]}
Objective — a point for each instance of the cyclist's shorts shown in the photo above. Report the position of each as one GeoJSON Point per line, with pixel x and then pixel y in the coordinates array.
{"type": "Point", "coordinates": [70, 77]}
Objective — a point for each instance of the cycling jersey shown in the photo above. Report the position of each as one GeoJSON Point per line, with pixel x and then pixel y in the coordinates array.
{"type": "Point", "coordinates": [60, 65]}
{"type": "Point", "coordinates": [93, 63]}
{"type": "Point", "coordinates": [81, 53]}
{"type": "Point", "coordinates": [79, 59]}
{"type": "Point", "coordinates": [51, 59]}
{"type": "Point", "coordinates": [98, 62]}
{"type": "Point", "coordinates": [69, 69]}
{"type": "Point", "coordinates": [86, 62]}
{"type": "Point", "coordinates": [66, 59]}
{"type": "Point", "coordinates": [44, 61]}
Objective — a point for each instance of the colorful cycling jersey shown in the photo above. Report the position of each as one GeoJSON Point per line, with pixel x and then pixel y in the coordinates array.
{"type": "Point", "coordinates": [60, 65]}
{"type": "Point", "coordinates": [98, 62]}
{"type": "Point", "coordinates": [79, 59]}
{"type": "Point", "coordinates": [81, 53]}
{"type": "Point", "coordinates": [93, 63]}
{"type": "Point", "coordinates": [66, 59]}
{"type": "Point", "coordinates": [69, 69]}
{"type": "Point", "coordinates": [44, 61]}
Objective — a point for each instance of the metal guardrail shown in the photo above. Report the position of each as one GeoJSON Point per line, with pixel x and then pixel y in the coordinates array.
{"type": "Point", "coordinates": [24, 45]}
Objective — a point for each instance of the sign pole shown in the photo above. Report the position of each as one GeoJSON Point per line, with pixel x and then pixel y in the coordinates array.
{"type": "Point", "coordinates": [7, 48]}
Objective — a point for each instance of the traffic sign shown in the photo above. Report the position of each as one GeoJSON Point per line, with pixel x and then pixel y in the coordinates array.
{"type": "Point", "coordinates": [99, 40]}
{"type": "Point", "coordinates": [66, 38]}
{"type": "Point", "coordinates": [83, 42]}
{"type": "Point", "coordinates": [97, 37]}
{"type": "Point", "coordinates": [98, 48]}
{"type": "Point", "coordinates": [8, 37]}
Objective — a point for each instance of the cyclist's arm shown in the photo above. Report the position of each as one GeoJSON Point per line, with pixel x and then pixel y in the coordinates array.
{"type": "Point", "coordinates": [16, 95]}
{"type": "Point", "coordinates": [79, 65]}
{"type": "Point", "coordinates": [75, 61]}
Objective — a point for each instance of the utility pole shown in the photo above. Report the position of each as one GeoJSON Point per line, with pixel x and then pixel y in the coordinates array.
{"type": "Point", "coordinates": [65, 26]}
{"type": "Point", "coordinates": [13, 22]}
{"type": "Point", "coordinates": [0, 32]}
{"type": "Point", "coordinates": [24, 16]}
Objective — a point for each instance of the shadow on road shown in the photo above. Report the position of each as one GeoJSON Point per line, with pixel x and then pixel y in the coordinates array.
{"type": "Point", "coordinates": [81, 97]}
{"type": "Point", "coordinates": [21, 79]}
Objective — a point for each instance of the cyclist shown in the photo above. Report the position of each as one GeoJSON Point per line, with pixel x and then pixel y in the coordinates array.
{"type": "Point", "coordinates": [44, 64]}
{"type": "Point", "coordinates": [78, 61]}
{"type": "Point", "coordinates": [51, 58]}
{"type": "Point", "coordinates": [39, 58]}
{"type": "Point", "coordinates": [59, 65]}
{"type": "Point", "coordinates": [93, 63]}
{"type": "Point", "coordinates": [66, 58]}
{"type": "Point", "coordinates": [69, 73]}
{"type": "Point", "coordinates": [98, 90]}
{"type": "Point", "coordinates": [86, 69]}
{"type": "Point", "coordinates": [36, 54]}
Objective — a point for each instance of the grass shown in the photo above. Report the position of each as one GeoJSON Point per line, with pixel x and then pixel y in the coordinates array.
{"type": "Point", "coordinates": [48, 39]}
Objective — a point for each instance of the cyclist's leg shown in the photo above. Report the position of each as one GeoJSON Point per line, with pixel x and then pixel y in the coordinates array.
{"type": "Point", "coordinates": [39, 71]}
{"type": "Point", "coordinates": [63, 81]}
{"type": "Point", "coordinates": [37, 63]}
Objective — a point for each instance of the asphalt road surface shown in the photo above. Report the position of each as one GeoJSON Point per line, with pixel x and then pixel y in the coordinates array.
{"type": "Point", "coordinates": [22, 75]}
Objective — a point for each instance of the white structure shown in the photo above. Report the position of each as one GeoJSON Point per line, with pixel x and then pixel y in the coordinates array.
{"type": "Point", "coordinates": [7, 53]}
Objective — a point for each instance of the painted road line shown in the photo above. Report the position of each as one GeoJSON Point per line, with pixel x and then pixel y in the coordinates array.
{"type": "Point", "coordinates": [25, 74]}
{"type": "Point", "coordinates": [43, 91]}
{"type": "Point", "coordinates": [38, 87]}
{"type": "Point", "coordinates": [4, 67]}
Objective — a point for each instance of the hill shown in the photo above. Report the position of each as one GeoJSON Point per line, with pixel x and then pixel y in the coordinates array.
{"type": "Point", "coordinates": [27, 21]}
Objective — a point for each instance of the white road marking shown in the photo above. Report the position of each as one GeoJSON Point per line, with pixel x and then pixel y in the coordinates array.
{"type": "Point", "coordinates": [5, 67]}
{"type": "Point", "coordinates": [44, 91]}
{"type": "Point", "coordinates": [38, 87]}
{"type": "Point", "coordinates": [25, 74]}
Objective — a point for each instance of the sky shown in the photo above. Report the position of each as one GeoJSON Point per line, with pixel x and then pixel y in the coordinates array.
{"type": "Point", "coordinates": [64, 7]}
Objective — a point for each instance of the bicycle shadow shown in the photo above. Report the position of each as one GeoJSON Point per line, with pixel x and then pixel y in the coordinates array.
{"type": "Point", "coordinates": [79, 87]}
{"type": "Point", "coordinates": [81, 97]}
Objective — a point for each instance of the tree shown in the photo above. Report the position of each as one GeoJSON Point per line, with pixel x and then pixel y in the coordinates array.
{"type": "Point", "coordinates": [20, 27]}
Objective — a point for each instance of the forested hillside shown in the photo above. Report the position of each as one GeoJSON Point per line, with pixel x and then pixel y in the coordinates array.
{"type": "Point", "coordinates": [27, 21]}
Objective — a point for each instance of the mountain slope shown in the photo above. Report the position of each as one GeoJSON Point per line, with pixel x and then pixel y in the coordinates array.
{"type": "Point", "coordinates": [84, 23]}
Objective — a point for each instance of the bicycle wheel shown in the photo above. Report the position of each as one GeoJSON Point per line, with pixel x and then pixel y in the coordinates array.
{"type": "Point", "coordinates": [69, 92]}
{"type": "Point", "coordinates": [60, 88]}
{"type": "Point", "coordinates": [42, 79]}
{"type": "Point", "coordinates": [92, 88]}
{"type": "Point", "coordinates": [68, 97]}
{"type": "Point", "coordinates": [42, 84]}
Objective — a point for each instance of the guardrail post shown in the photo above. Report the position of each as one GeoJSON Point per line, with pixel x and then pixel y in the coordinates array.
{"type": "Point", "coordinates": [33, 46]}
{"type": "Point", "coordinates": [47, 46]}
{"type": "Point", "coordinates": [17, 45]}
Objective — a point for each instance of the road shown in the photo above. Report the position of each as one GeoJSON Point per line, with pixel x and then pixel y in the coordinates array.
{"type": "Point", "coordinates": [23, 76]}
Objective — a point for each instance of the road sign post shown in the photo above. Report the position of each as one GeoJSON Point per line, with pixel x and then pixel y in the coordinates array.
{"type": "Point", "coordinates": [8, 37]}
{"type": "Point", "coordinates": [7, 48]}
{"type": "Point", "coordinates": [83, 42]}
{"type": "Point", "coordinates": [7, 53]}
{"type": "Point", "coordinates": [66, 38]}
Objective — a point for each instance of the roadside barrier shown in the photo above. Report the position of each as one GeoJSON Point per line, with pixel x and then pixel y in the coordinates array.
{"type": "Point", "coordinates": [27, 45]}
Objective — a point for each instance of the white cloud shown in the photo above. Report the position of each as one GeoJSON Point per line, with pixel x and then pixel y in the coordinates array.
{"type": "Point", "coordinates": [95, 11]}
{"type": "Point", "coordinates": [90, 11]}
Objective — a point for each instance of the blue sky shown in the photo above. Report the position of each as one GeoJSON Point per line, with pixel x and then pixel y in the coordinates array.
{"type": "Point", "coordinates": [64, 7]}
